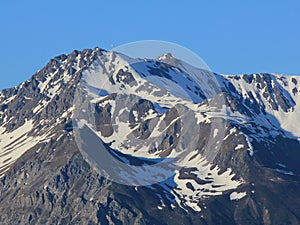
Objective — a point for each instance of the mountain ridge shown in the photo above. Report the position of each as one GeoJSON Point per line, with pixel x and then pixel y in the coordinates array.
{"type": "Point", "coordinates": [36, 128]}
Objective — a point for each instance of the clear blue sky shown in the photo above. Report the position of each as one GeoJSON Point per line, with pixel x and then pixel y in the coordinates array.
{"type": "Point", "coordinates": [232, 36]}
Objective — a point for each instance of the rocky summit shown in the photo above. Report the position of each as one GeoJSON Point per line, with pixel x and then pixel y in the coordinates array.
{"type": "Point", "coordinates": [229, 144]}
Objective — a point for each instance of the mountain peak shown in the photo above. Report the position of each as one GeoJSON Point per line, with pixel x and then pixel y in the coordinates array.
{"type": "Point", "coordinates": [166, 56]}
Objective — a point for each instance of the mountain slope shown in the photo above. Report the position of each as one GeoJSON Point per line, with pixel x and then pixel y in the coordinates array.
{"type": "Point", "coordinates": [234, 140]}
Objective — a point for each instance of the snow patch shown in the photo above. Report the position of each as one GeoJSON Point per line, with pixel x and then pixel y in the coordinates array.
{"type": "Point", "coordinates": [239, 146]}
{"type": "Point", "coordinates": [237, 196]}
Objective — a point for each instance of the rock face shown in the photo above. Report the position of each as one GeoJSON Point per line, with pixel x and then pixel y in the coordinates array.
{"type": "Point", "coordinates": [236, 138]}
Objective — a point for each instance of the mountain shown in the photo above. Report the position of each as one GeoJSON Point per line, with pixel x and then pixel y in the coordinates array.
{"type": "Point", "coordinates": [97, 137]}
